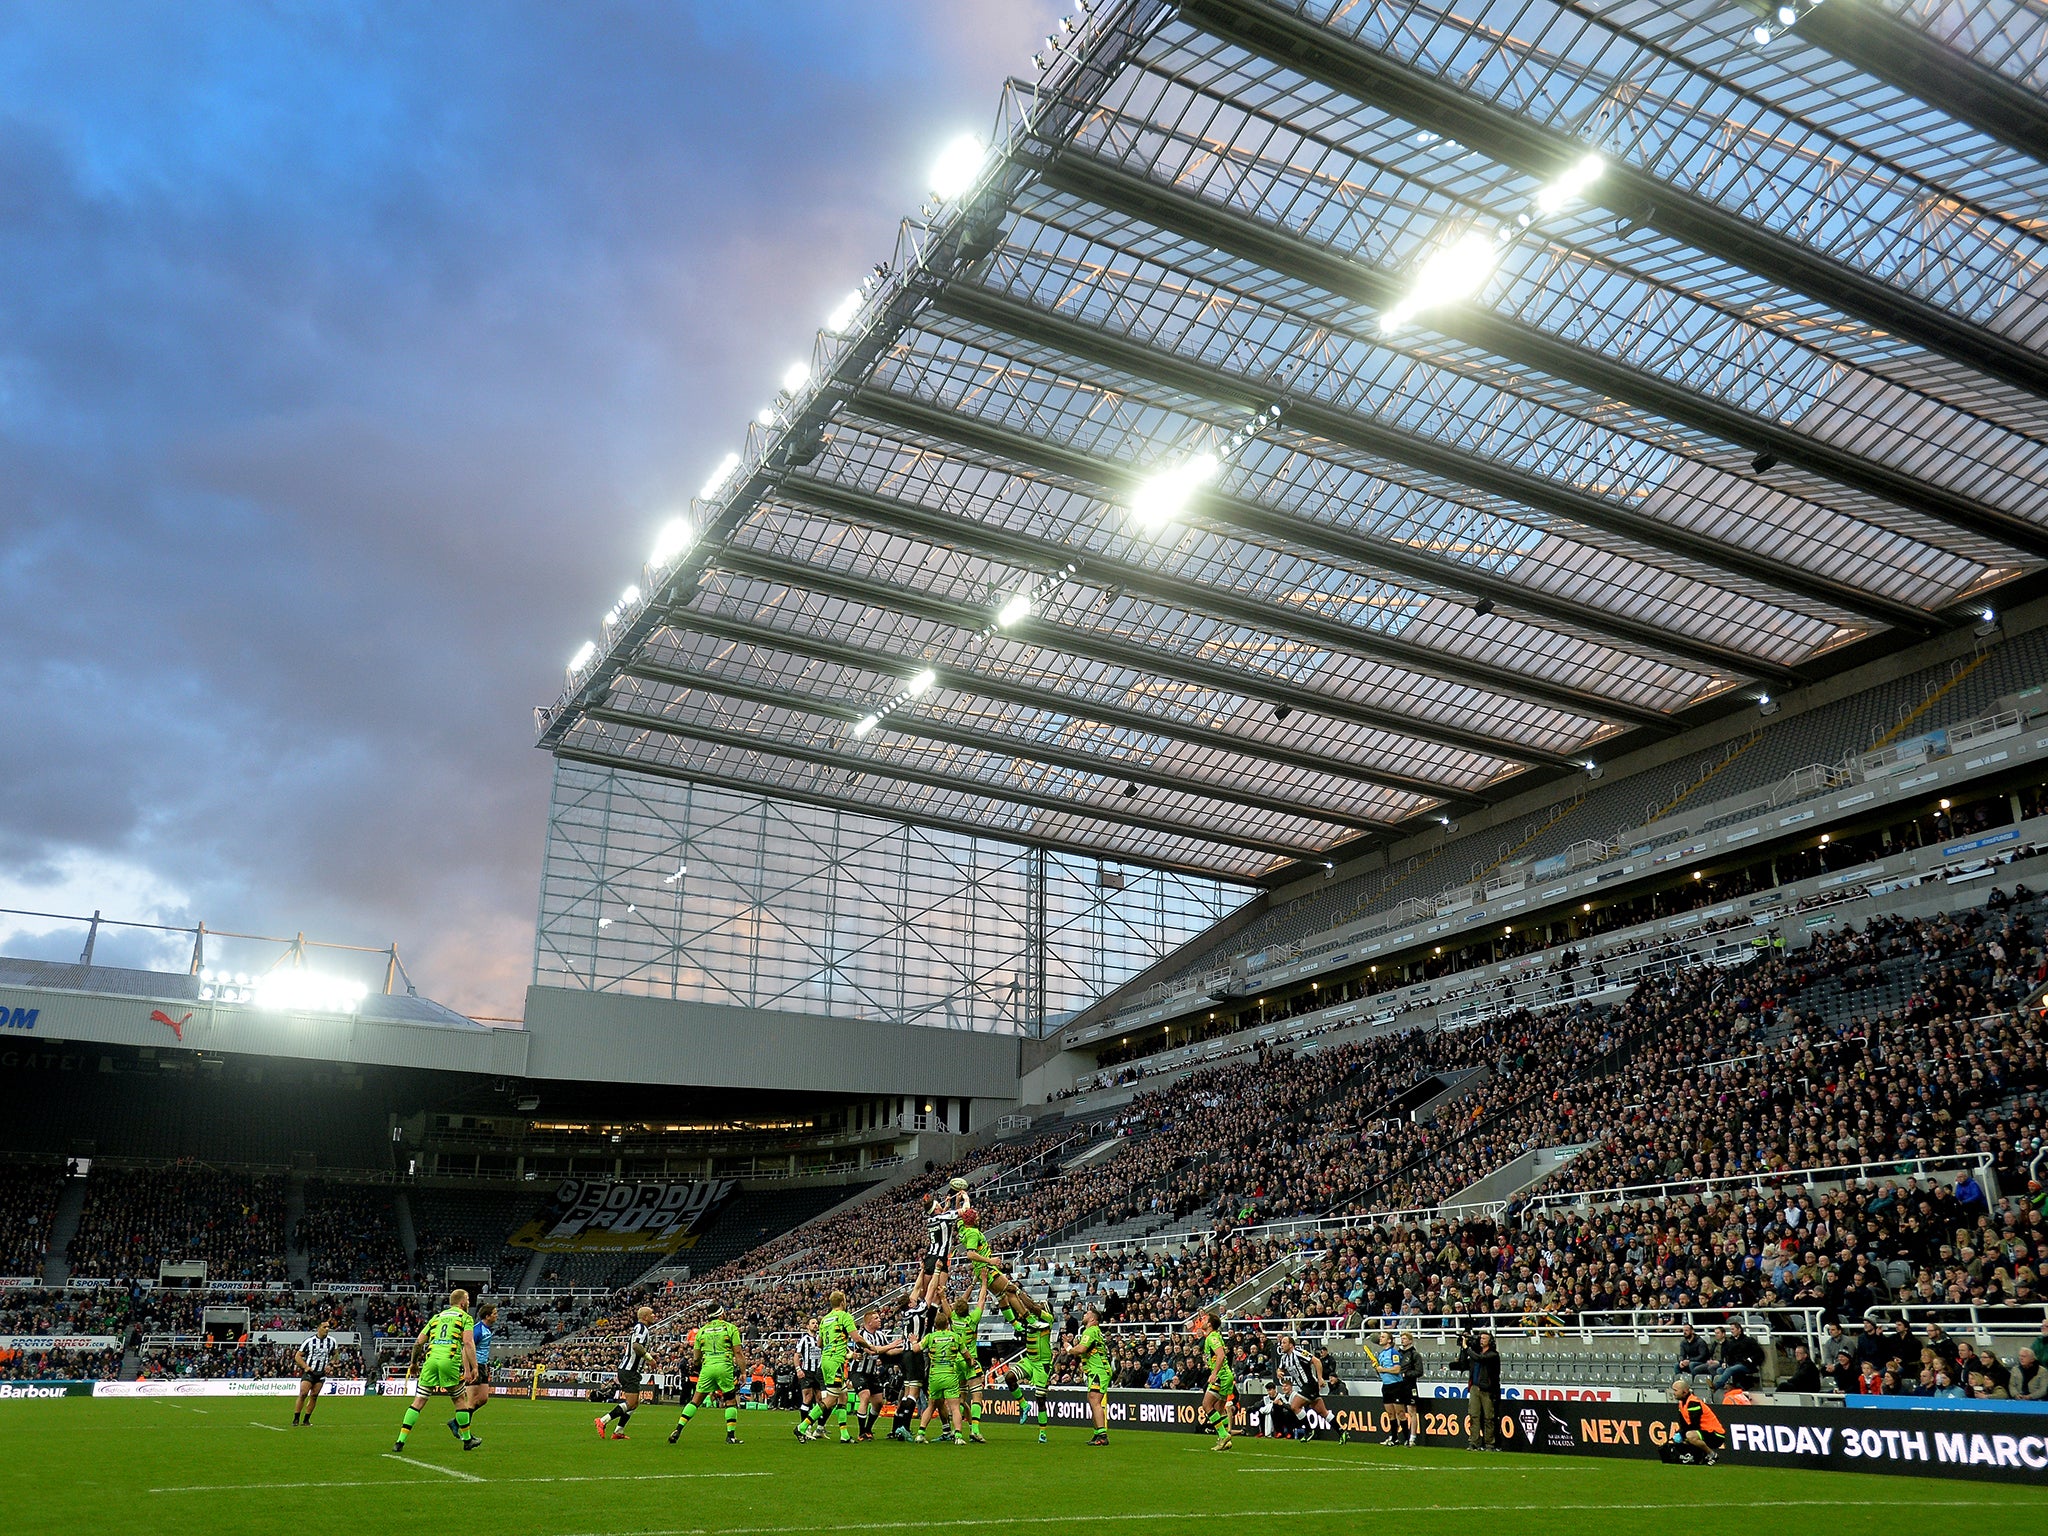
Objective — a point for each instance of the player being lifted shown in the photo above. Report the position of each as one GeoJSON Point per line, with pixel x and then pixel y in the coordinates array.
{"type": "Point", "coordinates": [449, 1339]}
{"type": "Point", "coordinates": [1033, 1367]}
{"type": "Point", "coordinates": [1299, 1375]}
{"type": "Point", "coordinates": [941, 1232]}
{"type": "Point", "coordinates": [314, 1353]}
{"type": "Point", "coordinates": [1222, 1382]}
{"type": "Point", "coordinates": [985, 1271]}
{"type": "Point", "coordinates": [1093, 1354]}
{"type": "Point", "coordinates": [636, 1354]}
{"type": "Point", "coordinates": [837, 1332]}
{"type": "Point", "coordinates": [721, 1357]}
{"type": "Point", "coordinates": [878, 1348]}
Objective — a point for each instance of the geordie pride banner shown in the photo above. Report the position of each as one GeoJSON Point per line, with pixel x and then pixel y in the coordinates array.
{"type": "Point", "coordinates": [602, 1216]}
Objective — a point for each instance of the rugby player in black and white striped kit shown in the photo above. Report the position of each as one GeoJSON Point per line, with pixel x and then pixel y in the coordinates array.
{"type": "Point", "coordinates": [314, 1353]}
{"type": "Point", "coordinates": [918, 1320]}
{"type": "Point", "coordinates": [880, 1348]}
{"type": "Point", "coordinates": [635, 1357]}
{"type": "Point", "coordinates": [1300, 1377]}
{"type": "Point", "coordinates": [809, 1355]}
{"type": "Point", "coordinates": [941, 1231]}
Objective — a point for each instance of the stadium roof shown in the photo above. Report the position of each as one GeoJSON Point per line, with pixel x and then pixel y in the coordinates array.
{"type": "Point", "coordinates": [1310, 418]}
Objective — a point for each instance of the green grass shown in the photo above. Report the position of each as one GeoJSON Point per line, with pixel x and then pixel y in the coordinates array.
{"type": "Point", "coordinates": [222, 1466]}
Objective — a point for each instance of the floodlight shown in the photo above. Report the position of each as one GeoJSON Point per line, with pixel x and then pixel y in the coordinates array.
{"type": "Point", "coordinates": [1786, 15]}
{"type": "Point", "coordinates": [796, 376]}
{"type": "Point", "coordinates": [1567, 187]}
{"type": "Point", "coordinates": [958, 166]}
{"type": "Point", "coordinates": [307, 992]}
{"type": "Point", "coordinates": [1015, 611]}
{"type": "Point", "coordinates": [765, 416]}
{"type": "Point", "coordinates": [719, 476]}
{"type": "Point", "coordinates": [629, 597]}
{"type": "Point", "coordinates": [865, 724]}
{"type": "Point", "coordinates": [1760, 35]}
{"type": "Point", "coordinates": [582, 658]}
{"type": "Point", "coordinates": [670, 544]}
{"type": "Point", "coordinates": [1456, 270]}
{"type": "Point", "coordinates": [1165, 496]}
{"type": "Point", "coordinates": [920, 684]}
{"type": "Point", "coordinates": [843, 314]}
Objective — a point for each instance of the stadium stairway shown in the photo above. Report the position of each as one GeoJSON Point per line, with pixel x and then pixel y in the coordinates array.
{"type": "Point", "coordinates": [63, 1227]}
{"type": "Point", "coordinates": [295, 1256]}
{"type": "Point", "coordinates": [1247, 1295]}
{"type": "Point", "coordinates": [530, 1279]}
{"type": "Point", "coordinates": [408, 1234]}
{"type": "Point", "coordinates": [1516, 1175]}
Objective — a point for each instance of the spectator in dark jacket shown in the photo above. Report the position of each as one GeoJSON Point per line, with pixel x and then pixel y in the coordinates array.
{"type": "Point", "coordinates": [1843, 1375]}
{"type": "Point", "coordinates": [1742, 1360]}
{"type": "Point", "coordinates": [1480, 1362]}
{"type": "Point", "coordinates": [1695, 1354]}
{"type": "Point", "coordinates": [1804, 1375]}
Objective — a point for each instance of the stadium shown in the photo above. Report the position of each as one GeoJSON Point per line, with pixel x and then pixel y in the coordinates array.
{"type": "Point", "coordinates": [1356, 775]}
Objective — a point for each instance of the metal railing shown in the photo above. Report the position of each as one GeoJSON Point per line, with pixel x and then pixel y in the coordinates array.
{"type": "Point", "coordinates": [1763, 1181]}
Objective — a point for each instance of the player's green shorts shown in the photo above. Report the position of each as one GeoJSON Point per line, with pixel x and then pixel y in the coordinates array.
{"type": "Point", "coordinates": [833, 1369]}
{"type": "Point", "coordinates": [716, 1379]}
{"type": "Point", "coordinates": [1225, 1384]}
{"type": "Point", "coordinates": [1097, 1376]}
{"type": "Point", "coordinates": [441, 1376]}
{"type": "Point", "coordinates": [944, 1383]}
{"type": "Point", "coordinates": [1031, 1372]}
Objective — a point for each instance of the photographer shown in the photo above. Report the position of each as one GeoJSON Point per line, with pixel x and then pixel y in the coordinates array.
{"type": "Point", "coordinates": [1480, 1362]}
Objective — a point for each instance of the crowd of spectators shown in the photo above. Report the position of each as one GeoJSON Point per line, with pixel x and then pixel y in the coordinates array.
{"type": "Point", "coordinates": [28, 1206]}
{"type": "Point", "coordinates": [60, 1365]}
{"type": "Point", "coordinates": [135, 1219]}
{"type": "Point", "coordinates": [350, 1236]}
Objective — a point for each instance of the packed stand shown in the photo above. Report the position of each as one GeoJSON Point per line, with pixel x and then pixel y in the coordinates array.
{"type": "Point", "coordinates": [351, 1237]}
{"type": "Point", "coordinates": [28, 1207]}
{"type": "Point", "coordinates": [136, 1219]}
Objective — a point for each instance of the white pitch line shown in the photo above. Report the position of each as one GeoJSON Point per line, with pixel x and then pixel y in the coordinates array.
{"type": "Point", "coordinates": [428, 1466]}
{"type": "Point", "coordinates": [1083, 1518]}
{"type": "Point", "coordinates": [274, 1429]}
{"type": "Point", "coordinates": [406, 1482]}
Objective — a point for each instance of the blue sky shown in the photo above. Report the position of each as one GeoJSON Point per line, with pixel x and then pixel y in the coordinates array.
{"type": "Point", "coordinates": [350, 356]}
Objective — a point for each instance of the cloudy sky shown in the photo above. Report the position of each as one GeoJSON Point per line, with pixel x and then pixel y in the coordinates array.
{"type": "Point", "coordinates": [350, 354]}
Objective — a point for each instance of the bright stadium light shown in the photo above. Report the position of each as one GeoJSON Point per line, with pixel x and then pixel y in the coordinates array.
{"type": "Point", "coordinates": [719, 476]}
{"type": "Point", "coordinates": [1165, 496]}
{"type": "Point", "coordinates": [765, 416]}
{"type": "Point", "coordinates": [865, 724]}
{"type": "Point", "coordinates": [1760, 35]}
{"type": "Point", "coordinates": [1453, 271]}
{"type": "Point", "coordinates": [843, 314]}
{"type": "Point", "coordinates": [629, 597]}
{"type": "Point", "coordinates": [920, 684]}
{"type": "Point", "coordinates": [958, 166]}
{"type": "Point", "coordinates": [795, 377]}
{"type": "Point", "coordinates": [582, 658]}
{"type": "Point", "coordinates": [671, 543]}
{"type": "Point", "coordinates": [1786, 15]}
{"type": "Point", "coordinates": [308, 992]}
{"type": "Point", "coordinates": [1571, 184]}
{"type": "Point", "coordinates": [1015, 611]}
